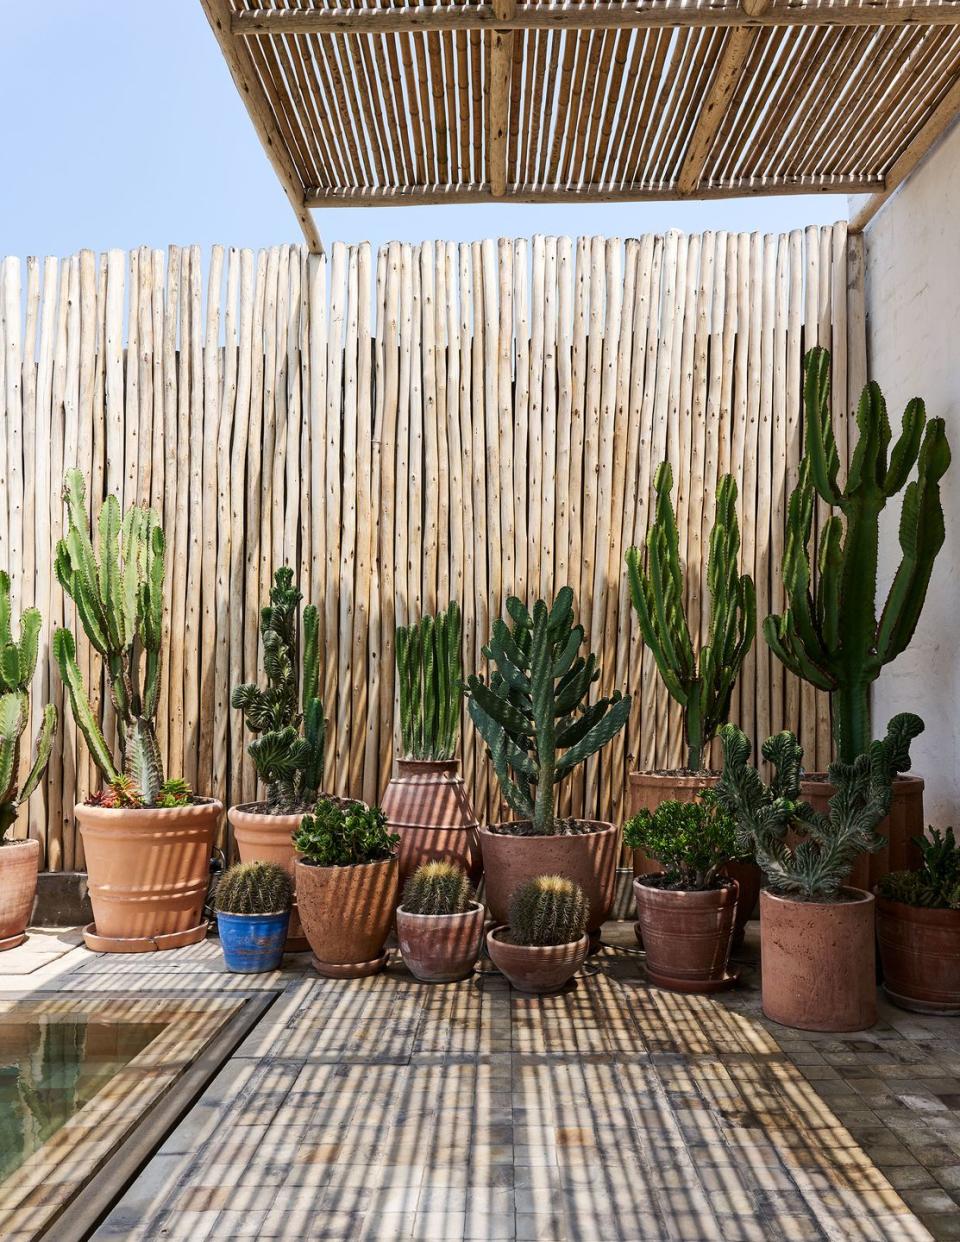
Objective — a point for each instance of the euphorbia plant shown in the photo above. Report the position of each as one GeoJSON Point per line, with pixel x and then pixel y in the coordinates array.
{"type": "Point", "coordinates": [429, 672]}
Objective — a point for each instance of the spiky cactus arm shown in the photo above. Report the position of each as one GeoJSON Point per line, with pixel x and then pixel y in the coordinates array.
{"type": "Point", "coordinates": [65, 654]}
{"type": "Point", "coordinates": [429, 671]}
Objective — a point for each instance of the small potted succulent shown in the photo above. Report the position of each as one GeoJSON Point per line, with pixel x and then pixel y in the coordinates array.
{"type": "Point", "coordinates": [252, 902]}
{"type": "Point", "coordinates": [686, 911]}
{"type": "Point", "coordinates": [918, 928]}
{"type": "Point", "coordinates": [439, 923]}
{"type": "Point", "coordinates": [546, 942]}
{"type": "Point", "coordinates": [346, 883]}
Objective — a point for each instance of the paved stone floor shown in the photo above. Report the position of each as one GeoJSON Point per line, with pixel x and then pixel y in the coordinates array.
{"type": "Point", "coordinates": [386, 1109]}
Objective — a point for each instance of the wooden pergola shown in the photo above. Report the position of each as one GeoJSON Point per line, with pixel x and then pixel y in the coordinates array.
{"type": "Point", "coordinates": [535, 101]}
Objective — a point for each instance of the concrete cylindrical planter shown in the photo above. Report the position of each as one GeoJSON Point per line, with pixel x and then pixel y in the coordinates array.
{"type": "Point", "coordinates": [439, 948]}
{"type": "Point", "coordinates": [19, 863]}
{"type": "Point", "coordinates": [426, 803]}
{"type": "Point", "coordinates": [269, 838]}
{"type": "Point", "coordinates": [149, 870]}
{"type": "Point", "coordinates": [537, 968]}
{"type": "Point", "coordinates": [818, 961]}
{"type": "Point", "coordinates": [252, 943]}
{"type": "Point", "coordinates": [687, 935]}
{"type": "Point", "coordinates": [346, 914]}
{"type": "Point", "coordinates": [904, 822]}
{"type": "Point", "coordinates": [649, 789]}
{"type": "Point", "coordinates": [920, 956]}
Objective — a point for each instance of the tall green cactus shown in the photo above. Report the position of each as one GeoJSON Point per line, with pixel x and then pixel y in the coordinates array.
{"type": "Point", "coordinates": [829, 633]}
{"type": "Point", "coordinates": [429, 672]}
{"type": "Point", "coordinates": [289, 750]}
{"type": "Point", "coordinates": [18, 659]}
{"type": "Point", "coordinates": [535, 706]}
{"type": "Point", "coordinates": [701, 686]}
{"type": "Point", "coordinates": [119, 600]}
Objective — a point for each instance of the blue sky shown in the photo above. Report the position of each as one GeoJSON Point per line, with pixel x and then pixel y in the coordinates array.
{"type": "Point", "coordinates": [123, 127]}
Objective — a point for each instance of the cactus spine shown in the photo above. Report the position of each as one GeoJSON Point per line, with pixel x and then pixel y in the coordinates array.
{"type": "Point", "coordinates": [829, 633]}
{"type": "Point", "coordinates": [429, 671]}
{"type": "Point", "coordinates": [548, 909]}
{"type": "Point", "coordinates": [254, 888]}
{"type": "Point", "coordinates": [701, 686]}
{"type": "Point", "coordinates": [437, 887]}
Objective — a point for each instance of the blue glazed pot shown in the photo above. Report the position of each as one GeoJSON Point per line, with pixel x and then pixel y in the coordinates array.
{"type": "Point", "coordinates": [252, 943]}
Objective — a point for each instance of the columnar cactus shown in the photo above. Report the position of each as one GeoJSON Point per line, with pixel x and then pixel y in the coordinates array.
{"type": "Point", "coordinates": [254, 888]}
{"type": "Point", "coordinates": [548, 909]}
{"type": "Point", "coordinates": [535, 706]}
{"type": "Point", "coordinates": [429, 671]}
{"type": "Point", "coordinates": [119, 600]}
{"type": "Point", "coordinates": [438, 887]}
{"type": "Point", "coordinates": [829, 633]}
{"type": "Point", "coordinates": [702, 686]}
{"type": "Point", "coordinates": [289, 750]}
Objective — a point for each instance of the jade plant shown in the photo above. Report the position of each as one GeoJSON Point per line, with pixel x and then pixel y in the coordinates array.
{"type": "Point", "coordinates": [692, 841]}
{"type": "Point", "coordinates": [701, 683]}
{"type": "Point", "coordinates": [344, 834]}
{"type": "Point", "coordinates": [829, 633]}
{"type": "Point", "coordinates": [534, 714]}
{"type": "Point", "coordinates": [549, 909]}
{"type": "Point", "coordinates": [429, 672]}
{"type": "Point", "coordinates": [254, 888]}
{"type": "Point", "coordinates": [287, 715]}
{"type": "Point", "coordinates": [935, 885]}
{"type": "Point", "coordinates": [438, 887]}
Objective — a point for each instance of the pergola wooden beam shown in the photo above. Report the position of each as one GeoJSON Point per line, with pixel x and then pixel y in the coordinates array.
{"type": "Point", "coordinates": [498, 98]}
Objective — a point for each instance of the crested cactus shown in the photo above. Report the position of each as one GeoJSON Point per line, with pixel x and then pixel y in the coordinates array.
{"type": "Point", "coordinates": [119, 600]}
{"type": "Point", "coordinates": [254, 888]}
{"type": "Point", "coordinates": [701, 685]}
{"type": "Point", "coordinates": [288, 751]}
{"type": "Point", "coordinates": [829, 633]}
{"type": "Point", "coordinates": [549, 909]}
{"type": "Point", "coordinates": [438, 887]}
{"type": "Point", "coordinates": [534, 715]}
{"type": "Point", "coordinates": [429, 671]}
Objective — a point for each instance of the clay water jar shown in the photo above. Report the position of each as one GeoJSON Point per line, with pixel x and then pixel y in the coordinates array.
{"type": "Point", "coordinates": [920, 956]}
{"type": "Point", "coordinates": [649, 789]}
{"type": "Point", "coordinates": [19, 863]}
{"type": "Point", "coordinates": [269, 838]}
{"type": "Point", "coordinates": [426, 804]}
{"type": "Point", "coordinates": [347, 914]}
{"type": "Point", "coordinates": [687, 935]}
{"type": "Point", "coordinates": [904, 822]}
{"type": "Point", "coordinates": [818, 961]}
{"type": "Point", "coordinates": [439, 948]}
{"type": "Point", "coordinates": [536, 968]}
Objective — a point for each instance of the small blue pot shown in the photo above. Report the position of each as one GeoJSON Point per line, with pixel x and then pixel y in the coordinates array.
{"type": "Point", "coordinates": [252, 943]}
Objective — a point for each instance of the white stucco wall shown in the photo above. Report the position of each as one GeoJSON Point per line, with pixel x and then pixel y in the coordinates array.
{"type": "Point", "coordinates": [913, 346]}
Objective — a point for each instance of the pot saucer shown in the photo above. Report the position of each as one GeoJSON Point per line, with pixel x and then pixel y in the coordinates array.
{"type": "Point", "coordinates": [910, 1003]}
{"type": "Point", "coordinates": [349, 970]}
{"type": "Point", "coordinates": [730, 979]}
{"type": "Point", "coordinates": [11, 942]}
{"type": "Point", "coordinates": [143, 944]}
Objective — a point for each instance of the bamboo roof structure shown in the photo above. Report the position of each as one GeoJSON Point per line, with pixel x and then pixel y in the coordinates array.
{"type": "Point", "coordinates": [391, 102]}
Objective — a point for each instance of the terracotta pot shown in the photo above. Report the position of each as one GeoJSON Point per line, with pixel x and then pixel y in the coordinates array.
{"type": "Point", "coordinates": [649, 789]}
{"type": "Point", "coordinates": [687, 935]}
{"type": "Point", "coordinates": [427, 804]}
{"type": "Point", "coordinates": [538, 968]}
{"type": "Point", "coordinates": [269, 838]}
{"type": "Point", "coordinates": [346, 914]}
{"type": "Point", "coordinates": [920, 955]}
{"type": "Point", "coordinates": [148, 870]}
{"type": "Point", "coordinates": [19, 862]}
{"type": "Point", "coordinates": [749, 880]}
{"type": "Point", "coordinates": [904, 822]}
{"type": "Point", "coordinates": [439, 948]}
{"type": "Point", "coordinates": [818, 961]}
{"type": "Point", "coordinates": [589, 859]}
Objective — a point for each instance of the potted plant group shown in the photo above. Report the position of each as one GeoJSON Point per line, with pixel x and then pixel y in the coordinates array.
{"type": "Point", "coordinates": [253, 902]}
{"type": "Point", "coordinates": [147, 841]}
{"type": "Point", "coordinates": [439, 923]}
{"type": "Point", "coordinates": [918, 928]}
{"type": "Point", "coordinates": [290, 734]}
{"type": "Point", "coordinates": [19, 859]}
{"type": "Point", "coordinates": [346, 884]}
{"type": "Point", "coordinates": [538, 724]}
{"type": "Point", "coordinates": [426, 802]}
{"type": "Point", "coordinates": [546, 941]}
{"type": "Point", "coordinates": [687, 911]}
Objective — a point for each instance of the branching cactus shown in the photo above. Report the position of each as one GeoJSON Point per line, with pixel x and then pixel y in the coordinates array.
{"type": "Point", "coordinates": [118, 592]}
{"type": "Point", "coordinates": [254, 888]}
{"type": "Point", "coordinates": [534, 715]}
{"type": "Point", "coordinates": [829, 633]}
{"type": "Point", "coordinates": [429, 672]}
{"type": "Point", "coordinates": [548, 909]}
{"type": "Point", "coordinates": [287, 715]}
{"type": "Point", "coordinates": [701, 685]}
{"type": "Point", "coordinates": [438, 887]}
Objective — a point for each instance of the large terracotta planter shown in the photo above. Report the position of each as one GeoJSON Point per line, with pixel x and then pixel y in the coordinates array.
{"type": "Point", "coordinates": [346, 913]}
{"type": "Point", "coordinates": [904, 822]}
{"type": "Point", "coordinates": [537, 968]}
{"type": "Point", "coordinates": [818, 961]}
{"type": "Point", "coordinates": [649, 789]}
{"type": "Point", "coordinates": [439, 948]}
{"type": "Point", "coordinates": [149, 870]}
{"type": "Point", "coordinates": [920, 955]}
{"type": "Point", "coordinates": [19, 862]}
{"type": "Point", "coordinates": [269, 838]}
{"type": "Point", "coordinates": [589, 859]}
{"type": "Point", "coordinates": [687, 935]}
{"type": "Point", "coordinates": [749, 880]}
{"type": "Point", "coordinates": [426, 803]}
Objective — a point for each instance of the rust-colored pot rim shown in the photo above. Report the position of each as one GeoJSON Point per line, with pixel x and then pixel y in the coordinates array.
{"type": "Point", "coordinates": [859, 897]}
{"type": "Point", "coordinates": [252, 811]}
{"type": "Point", "coordinates": [674, 776]}
{"type": "Point", "coordinates": [821, 778]}
{"type": "Point", "coordinates": [934, 916]}
{"type": "Point", "coordinates": [600, 826]}
{"type": "Point", "coordinates": [312, 866]}
{"type": "Point", "coordinates": [174, 814]}
{"type": "Point", "coordinates": [13, 847]}
{"type": "Point", "coordinates": [416, 767]}
{"type": "Point", "coordinates": [722, 895]}
{"type": "Point", "coordinates": [495, 934]}
{"type": "Point", "coordinates": [428, 919]}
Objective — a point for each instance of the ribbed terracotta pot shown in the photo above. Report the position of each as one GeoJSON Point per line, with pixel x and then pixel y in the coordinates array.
{"type": "Point", "coordinates": [920, 955]}
{"type": "Point", "coordinates": [649, 789]}
{"type": "Point", "coordinates": [439, 948]}
{"type": "Point", "coordinates": [818, 961]}
{"type": "Point", "coordinates": [749, 880]}
{"type": "Point", "coordinates": [19, 862]}
{"type": "Point", "coordinates": [589, 859]}
{"type": "Point", "coordinates": [149, 870]}
{"type": "Point", "coordinates": [537, 968]}
{"type": "Point", "coordinates": [269, 838]}
{"type": "Point", "coordinates": [687, 935]}
{"type": "Point", "coordinates": [904, 822]}
{"type": "Point", "coordinates": [426, 803]}
{"type": "Point", "coordinates": [347, 913]}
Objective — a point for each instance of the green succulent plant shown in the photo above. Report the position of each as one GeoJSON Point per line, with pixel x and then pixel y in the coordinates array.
{"type": "Point", "coordinates": [692, 841]}
{"type": "Point", "coordinates": [936, 885]}
{"type": "Point", "coordinates": [438, 887]}
{"type": "Point", "coordinates": [254, 888]}
{"type": "Point", "coordinates": [548, 909]}
{"type": "Point", "coordinates": [344, 834]}
{"type": "Point", "coordinates": [429, 673]}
